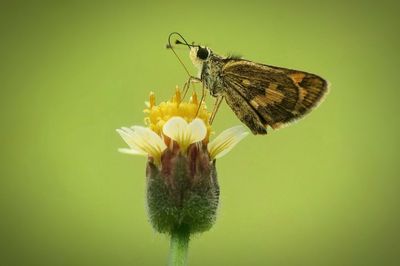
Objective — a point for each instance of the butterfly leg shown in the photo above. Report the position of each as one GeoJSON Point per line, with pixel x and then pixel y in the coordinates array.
{"type": "Point", "coordinates": [203, 96]}
{"type": "Point", "coordinates": [217, 104]}
{"type": "Point", "coordinates": [187, 84]}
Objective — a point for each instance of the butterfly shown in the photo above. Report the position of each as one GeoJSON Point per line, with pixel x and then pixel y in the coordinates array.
{"type": "Point", "coordinates": [260, 95]}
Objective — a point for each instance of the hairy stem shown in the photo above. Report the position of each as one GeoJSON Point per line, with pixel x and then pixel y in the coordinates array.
{"type": "Point", "coordinates": [179, 246]}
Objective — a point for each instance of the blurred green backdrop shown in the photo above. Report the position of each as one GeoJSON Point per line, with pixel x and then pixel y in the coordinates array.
{"type": "Point", "coordinates": [324, 191]}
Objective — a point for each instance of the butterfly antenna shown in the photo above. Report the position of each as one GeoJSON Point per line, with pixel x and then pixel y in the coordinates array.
{"type": "Point", "coordinates": [169, 46]}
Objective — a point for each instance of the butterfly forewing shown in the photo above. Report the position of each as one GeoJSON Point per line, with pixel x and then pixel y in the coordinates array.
{"type": "Point", "coordinates": [275, 95]}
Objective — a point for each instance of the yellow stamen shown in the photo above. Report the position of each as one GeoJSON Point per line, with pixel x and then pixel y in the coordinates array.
{"type": "Point", "coordinates": [194, 99]}
{"type": "Point", "coordinates": [177, 97]}
{"type": "Point", "coordinates": [152, 100]}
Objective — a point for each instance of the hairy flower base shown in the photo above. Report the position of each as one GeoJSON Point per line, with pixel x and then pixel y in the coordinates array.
{"type": "Point", "coordinates": [184, 191]}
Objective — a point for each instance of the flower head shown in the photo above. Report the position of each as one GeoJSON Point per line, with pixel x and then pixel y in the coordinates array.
{"type": "Point", "coordinates": [158, 115]}
{"type": "Point", "coordinates": [176, 121]}
{"type": "Point", "coordinates": [182, 187]}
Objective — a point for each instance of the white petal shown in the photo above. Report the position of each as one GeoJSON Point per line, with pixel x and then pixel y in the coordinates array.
{"type": "Point", "coordinates": [175, 128]}
{"type": "Point", "coordinates": [129, 137]}
{"type": "Point", "coordinates": [183, 133]}
{"type": "Point", "coordinates": [142, 140]}
{"type": "Point", "coordinates": [149, 136]}
{"type": "Point", "coordinates": [131, 151]}
{"type": "Point", "coordinates": [198, 130]}
{"type": "Point", "coordinates": [225, 141]}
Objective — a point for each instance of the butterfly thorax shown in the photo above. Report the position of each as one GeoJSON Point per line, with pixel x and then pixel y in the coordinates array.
{"type": "Point", "coordinates": [210, 74]}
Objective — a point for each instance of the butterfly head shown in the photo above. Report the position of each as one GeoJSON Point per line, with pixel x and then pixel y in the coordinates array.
{"type": "Point", "coordinates": [199, 54]}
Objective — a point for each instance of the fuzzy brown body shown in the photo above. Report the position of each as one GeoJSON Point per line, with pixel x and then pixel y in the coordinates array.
{"type": "Point", "coordinates": [261, 95]}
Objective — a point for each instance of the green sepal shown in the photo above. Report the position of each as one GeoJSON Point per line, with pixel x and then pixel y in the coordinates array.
{"type": "Point", "coordinates": [183, 192]}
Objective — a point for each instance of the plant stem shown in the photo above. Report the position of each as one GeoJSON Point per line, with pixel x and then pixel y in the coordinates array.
{"type": "Point", "coordinates": [179, 246]}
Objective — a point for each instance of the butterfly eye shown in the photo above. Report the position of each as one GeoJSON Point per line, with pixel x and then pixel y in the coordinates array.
{"type": "Point", "coordinates": [202, 53]}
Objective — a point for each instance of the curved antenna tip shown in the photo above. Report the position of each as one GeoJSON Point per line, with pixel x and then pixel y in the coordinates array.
{"type": "Point", "coordinates": [169, 46]}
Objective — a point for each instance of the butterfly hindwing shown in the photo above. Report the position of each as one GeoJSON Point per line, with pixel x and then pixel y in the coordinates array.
{"type": "Point", "coordinates": [246, 112]}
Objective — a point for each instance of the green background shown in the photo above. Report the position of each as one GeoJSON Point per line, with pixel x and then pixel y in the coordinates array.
{"type": "Point", "coordinates": [324, 191]}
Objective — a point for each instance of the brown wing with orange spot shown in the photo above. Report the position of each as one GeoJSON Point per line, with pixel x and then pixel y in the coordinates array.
{"type": "Point", "coordinates": [276, 95]}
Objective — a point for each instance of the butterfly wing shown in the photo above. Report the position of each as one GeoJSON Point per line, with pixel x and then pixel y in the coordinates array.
{"type": "Point", "coordinates": [245, 112]}
{"type": "Point", "coordinates": [276, 95]}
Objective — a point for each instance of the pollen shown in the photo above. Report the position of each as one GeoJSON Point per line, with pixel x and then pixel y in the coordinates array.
{"type": "Point", "coordinates": [159, 114]}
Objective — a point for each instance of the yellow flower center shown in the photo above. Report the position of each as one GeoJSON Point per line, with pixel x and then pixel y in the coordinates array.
{"type": "Point", "coordinates": [159, 114]}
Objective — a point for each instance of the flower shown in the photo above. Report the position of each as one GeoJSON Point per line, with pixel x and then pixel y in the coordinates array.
{"type": "Point", "coordinates": [177, 121]}
{"type": "Point", "coordinates": [182, 186]}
